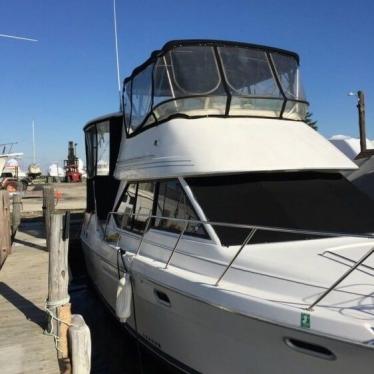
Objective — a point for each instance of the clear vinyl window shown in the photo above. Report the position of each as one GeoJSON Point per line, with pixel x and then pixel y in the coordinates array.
{"type": "Point", "coordinates": [289, 76]}
{"type": "Point", "coordinates": [141, 94]}
{"type": "Point", "coordinates": [143, 206]}
{"type": "Point", "coordinates": [173, 202]}
{"type": "Point", "coordinates": [248, 72]}
{"type": "Point", "coordinates": [124, 214]}
{"type": "Point", "coordinates": [103, 148]}
{"type": "Point", "coordinates": [195, 70]}
{"type": "Point", "coordinates": [137, 204]}
{"type": "Point", "coordinates": [201, 80]}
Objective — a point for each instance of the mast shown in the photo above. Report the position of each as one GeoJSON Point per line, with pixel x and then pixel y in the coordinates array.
{"type": "Point", "coordinates": [116, 45]}
{"type": "Point", "coordinates": [33, 143]}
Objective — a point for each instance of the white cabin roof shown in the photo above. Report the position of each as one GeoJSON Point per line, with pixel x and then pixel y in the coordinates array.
{"type": "Point", "coordinates": [186, 147]}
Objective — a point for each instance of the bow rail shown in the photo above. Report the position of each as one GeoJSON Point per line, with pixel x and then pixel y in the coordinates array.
{"type": "Point", "coordinates": [252, 231]}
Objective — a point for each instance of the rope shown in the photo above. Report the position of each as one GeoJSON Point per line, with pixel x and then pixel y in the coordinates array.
{"type": "Point", "coordinates": [57, 303]}
{"type": "Point", "coordinates": [54, 317]}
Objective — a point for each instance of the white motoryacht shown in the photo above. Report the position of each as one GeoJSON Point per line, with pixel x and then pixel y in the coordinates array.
{"type": "Point", "coordinates": [6, 154]}
{"type": "Point", "coordinates": [222, 233]}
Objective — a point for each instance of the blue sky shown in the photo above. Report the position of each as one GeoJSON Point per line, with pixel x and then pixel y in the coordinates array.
{"type": "Point", "coordinates": [68, 77]}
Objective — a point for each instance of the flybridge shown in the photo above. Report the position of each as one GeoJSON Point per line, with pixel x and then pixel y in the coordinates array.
{"type": "Point", "coordinates": [199, 78]}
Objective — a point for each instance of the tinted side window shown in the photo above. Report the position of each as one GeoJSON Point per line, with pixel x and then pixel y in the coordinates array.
{"type": "Point", "coordinates": [144, 205]}
{"type": "Point", "coordinates": [91, 151]}
{"type": "Point", "coordinates": [124, 219]}
{"type": "Point", "coordinates": [172, 202]}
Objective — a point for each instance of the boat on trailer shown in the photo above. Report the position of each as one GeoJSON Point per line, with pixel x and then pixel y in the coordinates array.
{"type": "Point", "coordinates": [222, 232]}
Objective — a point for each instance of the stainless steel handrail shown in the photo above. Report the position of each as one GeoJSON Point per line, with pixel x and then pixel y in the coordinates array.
{"type": "Point", "coordinates": [258, 227]}
{"type": "Point", "coordinates": [253, 230]}
{"type": "Point", "coordinates": [176, 245]}
{"type": "Point", "coordinates": [338, 281]}
{"type": "Point", "coordinates": [246, 241]}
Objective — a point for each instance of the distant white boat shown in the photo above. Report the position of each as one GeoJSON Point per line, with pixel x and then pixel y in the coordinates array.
{"type": "Point", "coordinates": [13, 167]}
{"type": "Point", "coordinates": [6, 153]}
{"type": "Point", "coordinates": [363, 178]}
{"type": "Point", "coordinates": [56, 171]}
{"type": "Point", "coordinates": [350, 146]}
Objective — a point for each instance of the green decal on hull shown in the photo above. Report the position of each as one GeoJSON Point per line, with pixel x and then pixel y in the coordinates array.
{"type": "Point", "coordinates": [305, 320]}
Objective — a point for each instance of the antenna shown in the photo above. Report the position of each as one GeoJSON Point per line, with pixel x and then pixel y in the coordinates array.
{"type": "Point", "coordinates": [33, 143]}
{"type": "Point", "coordinates": [116, 43]}
{"type": "Point", "coordinates": [17, 37]}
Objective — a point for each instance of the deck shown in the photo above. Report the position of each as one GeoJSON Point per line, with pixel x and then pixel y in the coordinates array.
{"type": "Point", "coordinates": [23, 291]}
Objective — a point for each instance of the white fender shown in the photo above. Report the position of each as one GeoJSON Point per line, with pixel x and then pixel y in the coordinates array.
{"type": "Point", "coordinates": [124, 298]}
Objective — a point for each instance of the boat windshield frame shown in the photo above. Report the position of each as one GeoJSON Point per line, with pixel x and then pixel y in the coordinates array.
{"type": "Point", "coordinates": [141, 111]}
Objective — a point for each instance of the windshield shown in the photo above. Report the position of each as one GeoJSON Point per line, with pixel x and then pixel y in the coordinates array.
{"type": "Point", "coordinates": [298, 200]}
{"type": "Point", "coordinates": [203, 80]}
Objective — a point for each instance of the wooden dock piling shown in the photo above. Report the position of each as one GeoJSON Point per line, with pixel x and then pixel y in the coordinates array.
{"type": "Point", "coordinates": [80, 345]}
{"type": "Point", "coordinates": [58, 279]}
{"type": "Point", "coordinates": [5, 231]}
{"type": "Point", "coordinates": [48, 208]}
{"type": "Point", "coordinates": [16, 213]}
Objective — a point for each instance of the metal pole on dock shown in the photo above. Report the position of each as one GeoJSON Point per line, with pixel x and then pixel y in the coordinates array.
{"type": "Point", "coordinates": [16, 213]}
{"type": "Point", "coordinates": [5, 230]}
{"type": "Point", "coordinates": [58, 305]}
{"type": "Point", "coordinates": [48, 209]}
{"type": "Point", "coordinates": [361, 119]}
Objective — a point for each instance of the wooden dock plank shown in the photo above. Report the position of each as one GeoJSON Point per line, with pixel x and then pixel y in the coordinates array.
{"type": "Point", "coordinates": [23, 291]}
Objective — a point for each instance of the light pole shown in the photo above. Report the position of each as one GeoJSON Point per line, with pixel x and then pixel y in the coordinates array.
{"type": "Point", "coordinates": [361, 117]}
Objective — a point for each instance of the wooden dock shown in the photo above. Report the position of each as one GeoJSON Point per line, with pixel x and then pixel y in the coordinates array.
{"type": "Point", "coordinates": [23, 292]}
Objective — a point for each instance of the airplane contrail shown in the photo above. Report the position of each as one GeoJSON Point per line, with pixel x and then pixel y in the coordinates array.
{"type": "Point", "coordinates": [17, 37]}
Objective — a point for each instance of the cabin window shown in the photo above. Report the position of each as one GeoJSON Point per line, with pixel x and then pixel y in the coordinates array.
{"type": "Point", "coordinates": [127, 104]}
{"type": "Point", "coordinates": [125, 211]}
{"type": "Point", "coordinates": [315, 201]}
{"type": "Point", "coordinates": [143, 206]}
{"type": "Point", "coordinates": [141, 94]}
{"type": "Point", "coordinates": [91, 147]}
{"type": "Point", "coordinates": [187, 81]}
{"type": "Point", "coordinates": [251, 82]}
{"type": "Point", "coordinates": [138, 204]}
{"type": "Point", "coordinates": [163, 89]}
{"type": "Point", "coordinates": [288, 73]}
{"type": "Point", "coordinates": [135, 207]}
{"type": "Point", "coordinates": [172, 202]}
{"type": "Point", "coordinates": [248, 72]}
{"type": "Point", "coordinates": [289, 77]}
{"type": "Point", "coordinates": [103, 148]}
{"type": "Point", "coordinates": [214, 80]}
{"type": "Point", "coordinates": [195, 70]}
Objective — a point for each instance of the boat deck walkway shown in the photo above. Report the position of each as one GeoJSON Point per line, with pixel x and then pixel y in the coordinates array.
{"type": "Point", "coordinates": [23, 291]}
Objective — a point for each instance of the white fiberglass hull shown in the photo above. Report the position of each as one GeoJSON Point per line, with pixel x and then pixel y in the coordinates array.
{"type": "Point", "coordinates": [211, 339]}
{"type": "Point", "coordinates": [214, 340]}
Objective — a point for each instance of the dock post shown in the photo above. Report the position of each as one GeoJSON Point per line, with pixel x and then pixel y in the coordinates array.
{"type": "Point", "coordinates": [58, 305]}
{"type": "Point", "coordinates": [5, 231]}
{"type": "Point", "coordinates": [48, 209]}
{"type": "Point", "coordinates": [16, 213]}
{"type": "Point", "coordinates": [80, 345]}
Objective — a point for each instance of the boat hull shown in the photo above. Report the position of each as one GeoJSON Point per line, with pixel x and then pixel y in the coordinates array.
{"type": "Point", "coordinates": [212, 339]}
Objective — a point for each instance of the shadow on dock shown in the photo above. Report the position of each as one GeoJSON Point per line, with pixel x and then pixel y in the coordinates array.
{"type": "Point", "coordinates": [32, 245]}
{"type": "Point", "coordinates": [30, 310]}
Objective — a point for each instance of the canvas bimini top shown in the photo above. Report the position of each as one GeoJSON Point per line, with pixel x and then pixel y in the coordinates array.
{"type": "Point", "coordinates": [199, 78]}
